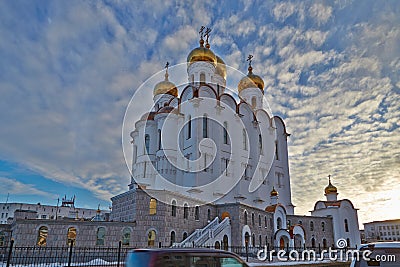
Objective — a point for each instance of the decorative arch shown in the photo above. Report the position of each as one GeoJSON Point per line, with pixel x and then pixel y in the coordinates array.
{"type": "Point", "coordinates": [42, 235]}
{"type": "Point", "coordinates": [151, 237]}
{"type": "Point", "coordinates": [246, 234]}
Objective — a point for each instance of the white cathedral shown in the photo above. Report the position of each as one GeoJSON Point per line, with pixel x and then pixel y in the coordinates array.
{"type": "Point", "coordinates": [210, 167]}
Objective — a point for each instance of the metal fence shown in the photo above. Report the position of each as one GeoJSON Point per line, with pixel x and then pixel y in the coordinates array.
{"type": "Point", "coordinates": [115, 256]}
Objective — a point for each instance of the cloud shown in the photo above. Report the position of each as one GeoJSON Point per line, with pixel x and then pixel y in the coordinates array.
{"type": "Point", "coordinates": [15, 187]}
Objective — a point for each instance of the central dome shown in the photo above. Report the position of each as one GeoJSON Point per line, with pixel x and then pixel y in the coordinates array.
{"type": "Point", "coordinates": [251, 81]}
{"type": "Point", "coordinates": [201, 54]}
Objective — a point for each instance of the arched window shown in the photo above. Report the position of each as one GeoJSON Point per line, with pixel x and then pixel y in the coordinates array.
{"type": "Point", "coordinates": [279, 223]}
{"type": "Point", "coordinates": [324, 244]}
{"type": "Point", "coordinates": [246, 239]}
{"type": "Point", "coordinates": [126, 236]}
{"type": "Point", "coordinates": [147, 143]}
{"type": "Point", "coordinates": [253, 240]}
{"type": "Point", "coordinates": [197, 213]}
{"type": "Point", "coordinates": [189, 131]}
{"type": "Point", "coordinates": [276, 151]}
{"type": "Point", "coordinates": [265, 222]}
{"type": "Point", "coordinates": [311, 226]}
{"type": "Point", "coordinates": [313, 242]}
{"type": "Point", "coordinates": [173, 208]}
{"type": "Point", "coordinates": [253, 102]}
{"type": "Point", "coordinates": [101, 233]}
{"type": "Point", "coordinates": [172, 238]}
{"type": "Point", "coordinates": [153, 206]}
{"type": "Point", "coordinates": [42, 236]}
{"type": "Point", "coordinates": [159, 139]}
{"type": "Point", "coordinates": [225, 132]}
{"type": "Point", "coordinates": [205, 126]}
{"type": "Point", "coordinates": [259, 220]}
{"type": "Point", "coordinates": [323, 226]}
{"type": "Point", "coordinates": [185, 211]}
{"type": "Point", "coordinates": [245, 217]}
{"type": "Point", "coordinates": [209, 214]}
{"type": "Point", "coordinates": [244, 134]}
{"type": "Point", "coordinates": [202, 78]}
{"type": "Point", "coordinates": [260, 144]}
{"type": "Point", "coordinates": [346, 225]}
{"type": "Point", "coordinates": [252, 219]}
{"type": "Point", "coordinates": [151, 237]}
{"type": "Point", "coordinates": [184, 236]}
{"type": "Point", "coordinates": [71, 236]}
{"type": "Point", "coordinates": [2, 239]}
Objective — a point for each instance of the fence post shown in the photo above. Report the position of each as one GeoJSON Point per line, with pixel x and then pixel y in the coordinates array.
{"type": "Point", "coordinates": [70, 253]}
{"type": "Point", "coordinates": [10, 253]}
{"type": "Point", "coordinates": [119, 252]}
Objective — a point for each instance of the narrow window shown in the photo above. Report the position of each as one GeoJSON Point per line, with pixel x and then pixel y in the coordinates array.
{"type": "Point", "coordinates": [265, 222]}
{"type": "Point", "coordinates": [244, 133]}
{"type": "Point", "coordinates": [153, 206]}
{"type": "Point", "coordinates": [172, 238]}
{"type": "Point", "coordinates": [276, 151]}
{"type": "Point", "coordinates": [101, 233]}
{"type": "Point", "coordinates": [252, 219]}
{"type": "Point", "coordinates": [323, 226]}
{"type": "Point", "coordinates": [279, 223]}
{"type": "Point", "coordinates": [197, 213]}
{"type": "Point", "coordinates": [202, 78]}
{"type": "Point", "coordinates": [134, 154]}
{"type": "Point", "coordinates": [189, 132]}
{"type": "Point", "coordinates": [159, 139]}
{"type": "Point", "coordinates": [260, 144]}
{"type": "Point", "coordinates": [348, 242]}
{"type": "Point", "coordinates": [346, 225]}
{"type": "Point", "coordinates": [42, 236]}
{"type": "Point", "coordinates": [245, 217]}
{"type": "Point", "coordinates": [151, 237]}
{"type": "Point", "coordinates": [259, 220]}
{"type": "Point", "coordinates": [173, 211]}
{"type": "Point", "coordinates": [2, 239]}
{"type": "Point", "coordinates": [147, 143]}
{"type": "Point", "coordinates": [313, 242]}
{"type": "Point", "coordinates": [253, 102]}
{"type": "Point", "coordinates": [324, 244]}
{"type": "Point", "coordinates": [192, 78]}
{"type": "Point", "coordinates": [185, 211]}
{"type": "Point", "coordinates": [209, 214]}
{"type": "Point", "coordinates": [184, 236]}
{"type": "Point", "coordinates": [205, 126]}
{"type": "Point", "coordinates": [311, 226]}
{"type": "Point", "coordinates": [260, 241]}
{"type": "Point", "coordinates": [126, 236]}
{"type": "Point", "coordinates": [71, 236]}
{"type": "Point", "coordinates": [226, 161]}
{"type": "Point", "coordinates": [225, 132]}
{"type": "Point", "coordinates": [253, 241]}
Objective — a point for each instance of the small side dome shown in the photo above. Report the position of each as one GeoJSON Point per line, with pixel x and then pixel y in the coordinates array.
{"type": "Point", "coordinates": [251, 81]}
{"type": "Point", "coordinates": [221, 68]}
{"type": "Point", "coordinates": [165, 87]}
{"type": "Point", "coordinates": [330, 189]}
{"type": "Point", "coordinates": [201, 54]}
{"type": "Point", "coordinates": [274, 193]}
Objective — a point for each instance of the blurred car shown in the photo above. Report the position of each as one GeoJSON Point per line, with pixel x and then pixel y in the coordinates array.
{"type": "Point", "coordinates": [185, 257]}
{"type": "Point", "coordinates": [383, 254]}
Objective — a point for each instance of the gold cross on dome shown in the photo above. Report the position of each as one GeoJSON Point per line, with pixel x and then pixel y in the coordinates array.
{"type": "Point", "coordinates": [249, 59]}
{"type": "Point", "coordinates": [167, 65]}
{"type": "Point", "coordinates": [207, 33]}
{"type": "Point", "coordinates": [201, 31]}
{"type": "Point", "coordinates": [329, 177]}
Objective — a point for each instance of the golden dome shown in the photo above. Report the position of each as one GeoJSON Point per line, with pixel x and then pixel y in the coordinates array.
{"type": "Point", "coordinates": [201, 54]}
{"type": "Point", "coordinates": [221, 68]}
{"type": "Point", "coordinates": [251, 81]}
{"type": "Point", "coordinates": [165, 87]}
{"type": "Point", "coordinates": [330, 188]}
{"type": "Point", "coordinates": [274, 193]}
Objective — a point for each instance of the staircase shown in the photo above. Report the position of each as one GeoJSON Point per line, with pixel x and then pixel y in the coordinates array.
{"type": "Point", "coordinates": [214, 231]}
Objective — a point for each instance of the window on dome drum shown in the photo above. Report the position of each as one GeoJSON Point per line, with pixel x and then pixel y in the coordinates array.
{"type": "Point", "coordinates": [42, 236]}
{"type": "Point", "coordinates": [197, 213]}
{"type": "Point", "coordinates": [185, 211]}
{"type": "Point", "coordinates": [276, 151]}
{"type": "Point", "coordinates": [205, 126]}
{"type": "Point", "coordinates": [153, 206]}
{"type": "Point", "coordinates": [173, 208]}
{"type": "Point", "coordinates": [323, 226]}
{"type": "Point", "coordinates": [151, 237]}
{"type": "Point", "coordinates": [147, 143]}
{"type": "Point", "coordinates": [225, 132]}
{"type": "Point", "coordinates": [101, 234]}
{"type": "Point", "coordinates": [260, 144]}
{"type": "Point", "coordinates": [253, 102]}
{"type": "Point", "coordinates": [71, 236]}
{"type": "Point", "coordinates": [311, 226]}
{"type": "Point", "coordinates": [159, 139]}
{"type": "Point", "coordinates": [346, 225]}
{"type": "Point", "coordinates": [252, 219]}
{"type": "Point", "coordinates": [244, 133]}
{"type": "Point", "coordinates": [184, 236]}
{"type": "Point", "coordinates": [172, 238]}
{"type": "Point", "coordinates": [202, 78]}
{"type": "Point", "coordinates": [126, 236]}
{"type": "Point", "coordinates": [245, 217]}
{"type": "Point", "coordinates": [189, 127]}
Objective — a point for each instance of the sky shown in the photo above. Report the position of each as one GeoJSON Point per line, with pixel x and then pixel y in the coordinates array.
{"type": "Point", "coordinates": [68, 70]}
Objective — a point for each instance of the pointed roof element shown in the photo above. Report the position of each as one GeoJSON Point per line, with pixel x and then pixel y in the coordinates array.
{"type": "Point", "coordinates": [330, 188]}
{"type": "Point", "coordinates": [251, 80]}
{"type": "Point", "coordinates": [165, 87]}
